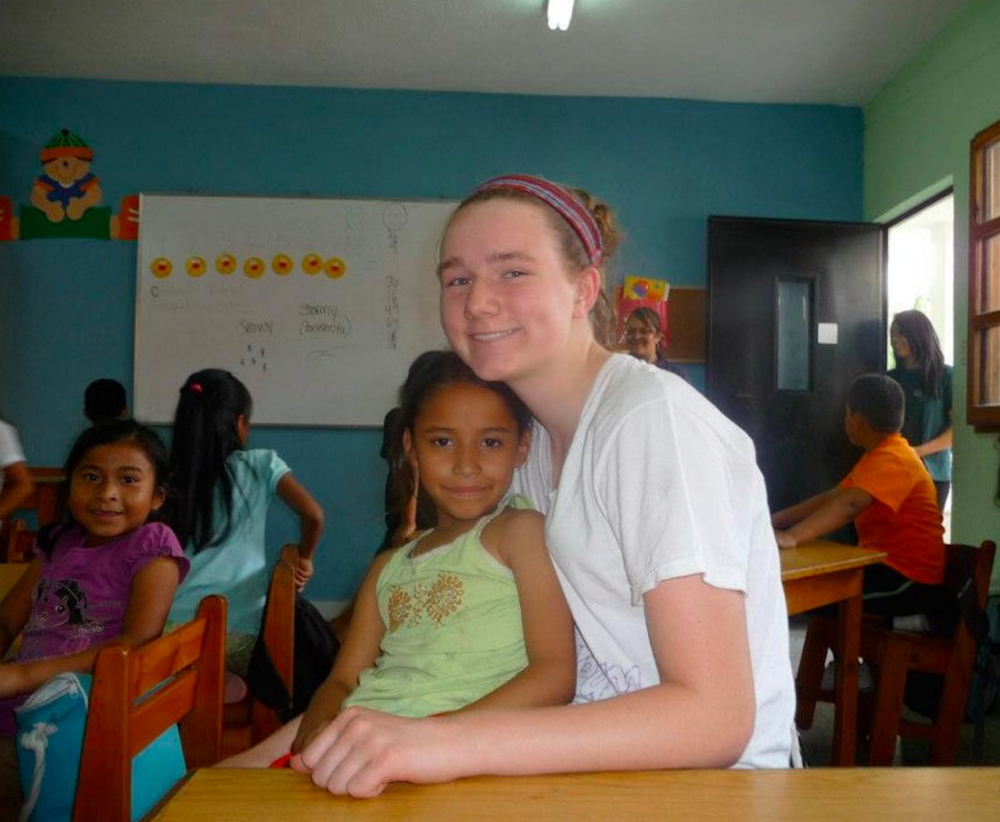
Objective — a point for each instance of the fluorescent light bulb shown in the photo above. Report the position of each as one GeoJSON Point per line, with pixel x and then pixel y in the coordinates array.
{"type": "Point", "coordinates": [559, 14]}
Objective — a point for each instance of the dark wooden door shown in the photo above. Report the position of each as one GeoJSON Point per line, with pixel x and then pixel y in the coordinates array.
{"type": "Point", "coordinates": [795, 313]}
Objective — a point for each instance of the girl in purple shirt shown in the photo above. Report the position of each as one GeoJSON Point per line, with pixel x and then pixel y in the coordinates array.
{"type": "Point", "coordinates": [104, 575]}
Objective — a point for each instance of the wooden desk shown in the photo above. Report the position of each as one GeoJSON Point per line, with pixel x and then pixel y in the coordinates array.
{"type": "Point", "coordinates": [860, 795]}
{"type": "Point", "coordinates": [821, 573]}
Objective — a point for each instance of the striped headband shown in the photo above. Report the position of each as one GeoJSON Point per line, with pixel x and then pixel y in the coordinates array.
{"type": "Point", "coordinates": [559, 199]}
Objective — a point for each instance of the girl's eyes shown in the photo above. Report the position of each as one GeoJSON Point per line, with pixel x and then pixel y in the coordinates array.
{"type": "Point", "coordinates": [441, 442]}
{"type": "Point", "coordinates": [130, 479]}
{"type": "Point", "coordinates": [89, 476]}
{"type": "Point", "coordinates": [493, 442]}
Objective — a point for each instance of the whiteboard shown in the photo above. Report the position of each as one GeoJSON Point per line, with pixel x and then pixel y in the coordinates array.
{"type": "Point", "coordinates": [318, 305]}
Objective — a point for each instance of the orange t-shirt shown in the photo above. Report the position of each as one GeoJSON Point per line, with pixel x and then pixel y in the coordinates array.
{"type": "Point", "coordinates": [903, 519]}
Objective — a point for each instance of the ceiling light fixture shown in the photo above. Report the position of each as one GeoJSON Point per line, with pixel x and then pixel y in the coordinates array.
{"type": "Point", "coordinates": [559, 14]}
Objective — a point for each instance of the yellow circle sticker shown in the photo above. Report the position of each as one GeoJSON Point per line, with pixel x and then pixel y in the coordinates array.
{"type": "Point", "coordinates": [282, 264]}
{"type": "Point", "coordinates": [161, 267]}
{"type": "Point", "coordinates": [225, 263]}
{"type": "Point", "coordinates": [335, 268]}
{"type": "Point", "coordinates": [195, 266]}
{"type": "Point", "coordinates": [254, 268]}
{"type": "Point", "coordinates": [312, 263]}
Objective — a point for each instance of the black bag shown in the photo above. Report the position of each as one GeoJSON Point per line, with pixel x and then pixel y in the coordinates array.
{"type": "Point", "coordinates": [315, 650]}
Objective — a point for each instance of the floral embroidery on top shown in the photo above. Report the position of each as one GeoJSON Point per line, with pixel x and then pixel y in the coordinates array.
{"type": "Point", "coordinates": [434, 602]}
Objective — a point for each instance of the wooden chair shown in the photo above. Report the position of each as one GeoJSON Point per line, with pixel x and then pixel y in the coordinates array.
{"type": "Point", "coordinates": [249, 721]}
{"type": "Point", "coordinates": [17, 538]}
{"type": "Point", "coordinates": [137, 694]}
{"type": "Point", "coordinates": [893, 654]}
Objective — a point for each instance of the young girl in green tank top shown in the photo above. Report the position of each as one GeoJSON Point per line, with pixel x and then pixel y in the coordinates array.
{"type": "Point", "coordinates": [470, 613]}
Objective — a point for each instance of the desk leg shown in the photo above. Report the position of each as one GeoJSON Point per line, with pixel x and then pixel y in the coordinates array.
{"type": "Point", "coordinates": [846, 689]}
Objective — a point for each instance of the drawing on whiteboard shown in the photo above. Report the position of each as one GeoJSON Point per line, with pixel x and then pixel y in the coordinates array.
{"type": "Point", "coordinates": [335, 268]}
{"type": "Point", "coordinates": [254, 268]}
{"type": "Point", "coordinates": [394, 218]}
{"type": "Point", "coordinates": [225, 263]}
{"type": "Point", "coordinates": [391, 309]}
{"type": "Point", "coordinates": [161, 267]}
{"type": "Point", "coordinates": [312, 263]}
{"type": "Point", "coordinates": [282, 264]}
{"type": "Point", "coordinates": [254, 359]}
{"type": "Point", "coordinates": [195, 266]}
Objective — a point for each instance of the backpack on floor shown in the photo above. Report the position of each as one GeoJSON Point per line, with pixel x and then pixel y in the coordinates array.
{"type": "Point", "coordinates": [50, 730]}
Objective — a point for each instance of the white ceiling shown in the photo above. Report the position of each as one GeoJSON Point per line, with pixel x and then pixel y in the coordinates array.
{"type": "Point", "coordinates": [795, 51]}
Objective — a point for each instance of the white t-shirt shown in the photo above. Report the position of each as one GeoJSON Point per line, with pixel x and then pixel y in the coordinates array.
{"type": "Point", "coordinates": [10, 448]}
{"type": "Point", "coordinates": [659, 484]}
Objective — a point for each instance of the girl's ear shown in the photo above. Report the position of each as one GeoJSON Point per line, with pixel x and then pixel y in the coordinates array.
{"type": "Point", "coordinates": [243, 429]}
{"type": "Point", "coordinates": [159, 497]}
{"type": "Point", "coordinates": [411, 456]}
{"type": "Point", "coordinates": [588, 289]}
{"type": "Point", "coordinates": [523, 447]}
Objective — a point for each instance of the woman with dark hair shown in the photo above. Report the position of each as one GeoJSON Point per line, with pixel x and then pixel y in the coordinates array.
{"type": "Point", "coordinates": [927, 384]}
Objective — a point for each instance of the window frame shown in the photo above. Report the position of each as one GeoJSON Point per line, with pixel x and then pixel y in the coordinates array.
{"type": "Point", "coordinates": [982, 416]}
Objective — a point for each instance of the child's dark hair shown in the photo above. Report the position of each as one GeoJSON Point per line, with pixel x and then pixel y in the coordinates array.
{"type": "Point", "coordinates": [206, 432]}
{"type": "Point", "coordinates": [104, 399]}
{"type": "Point", "coordinates": [914, 327]}
{"type": "Point", "coordinates": [429, 373]}
{"type": "Point", "coordinates": [879, 399]}
{"type": "Point", "coordinates": [111, 432]}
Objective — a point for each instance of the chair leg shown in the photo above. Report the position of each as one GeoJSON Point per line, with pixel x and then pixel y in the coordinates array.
{"type": "Point", "coordinates": [889, 689]}
{"type": "Point", "coordinates": [818, 640]}
{"type": "Point", "coordinates": [948, 721]}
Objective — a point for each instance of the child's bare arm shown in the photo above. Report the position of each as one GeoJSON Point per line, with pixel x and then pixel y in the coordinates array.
{"type": "Point", "coordinates": [310, 515]}
{"type": "Point", "coordinates": [149, 601]}
{"type": "Point", "coordinates": [787, 517]}
{"type": "Point", "coordinates": [358, 653]}
{"type": "Point", "coordinates": [550, 676]}
{"type": "Point", "coordinates": [16, 606]}
{"type": "Point", "coordinates": [835, 511]}
{"type": "Point", "coordinates": [17, 487]}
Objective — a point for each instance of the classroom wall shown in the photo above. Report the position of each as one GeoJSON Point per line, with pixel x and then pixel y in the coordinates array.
{"type": "Point", "coordinates": [66, 306]}
{"type": "Point", "coordinates": [917, 134]}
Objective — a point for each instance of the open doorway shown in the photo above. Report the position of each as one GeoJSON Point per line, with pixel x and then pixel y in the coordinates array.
{"type": "Point", "coordinates": [920, 273]}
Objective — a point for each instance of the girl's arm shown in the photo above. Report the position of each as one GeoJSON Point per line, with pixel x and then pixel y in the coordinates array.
{"type": "Point", "coordinates": [17, 487]}
{"type": "Point", "coordinates": [16, 606]}
{"type": "Point", "coordinates": [550, 676]}
{"type": "Point", "coordinates": [836, 510]}
{"type": "Point", "coordinates": [701, 715]}
{"type": "Point", "coordinates": [357, 654]}
{"type": "Point", "coordinates": [149, 600]}
{"type": "Point", "coordinates": [310, 514]}
{"type": "Point", "coordinates": [942, 442]}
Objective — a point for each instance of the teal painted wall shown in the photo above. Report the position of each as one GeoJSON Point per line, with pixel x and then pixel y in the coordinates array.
{"type": "Point", "coordinates": [917, 133]}
{"type": "Point", "coordinates": [66, 306]}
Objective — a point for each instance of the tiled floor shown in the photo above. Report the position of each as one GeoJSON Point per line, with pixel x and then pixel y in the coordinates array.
{"type": "Point", "coordinates": [816, 742]}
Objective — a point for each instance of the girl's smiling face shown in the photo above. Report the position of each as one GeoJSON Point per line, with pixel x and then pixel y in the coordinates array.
{"type": "Point", "coordinates": [507, 300]}
{"type": "Point", "coordinates": [112, 491]}
{"type": "Point", "coordinates": [463, 448]}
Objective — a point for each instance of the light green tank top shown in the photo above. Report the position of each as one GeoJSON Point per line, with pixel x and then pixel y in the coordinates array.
{"type": "Point", "coordinates": [453, 628]}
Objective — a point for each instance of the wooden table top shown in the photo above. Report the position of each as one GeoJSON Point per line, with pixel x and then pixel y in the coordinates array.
{"type": "Point", "coordinates": [821, 556]}
{"type": "Point", "coordinates": [857, 794]}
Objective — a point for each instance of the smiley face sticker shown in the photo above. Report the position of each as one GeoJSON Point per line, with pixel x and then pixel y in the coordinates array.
{"type": "Point", "coordinates": [312, 263]}
{"type": "Point", "coordinates": [335, 268]}
{"type": "Point", "coordinates": [195, 266]}
{"type": "Point", "coordinates": [282, 264]}
{"type": "Point", "coordinates": [225, 263]}
{"type": "Point", "coordinates": [161, 268]}
{"type": "Point", "coordinates": [254, 268]}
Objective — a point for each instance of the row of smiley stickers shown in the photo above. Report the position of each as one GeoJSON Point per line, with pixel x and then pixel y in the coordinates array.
{"type": "Point", "coordinates": [253, 267]}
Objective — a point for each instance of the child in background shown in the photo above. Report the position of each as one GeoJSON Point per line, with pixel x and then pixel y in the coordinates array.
{"type": "Point", "coordinates": [105, 399]}
{"type": "Point", "coordinates": [927, 385]}
{"type": "Point", "coordinates": [103, 575]}
{"type": "Point", "coordinates": [892, 500]}
{"type": "Point", "coordinates": [16, 484]}
{"type": "Point", "coordinates": [219, 508]}
{"type": "Point", "coordinates": [470, 613]}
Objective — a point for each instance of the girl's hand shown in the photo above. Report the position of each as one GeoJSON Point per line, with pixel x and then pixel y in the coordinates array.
{"type": "Point", "coordinates": [362, 751]}
{"type": "Point", "coordinates": [785, 539]}
{"type": "Point", "coordinates": [13, 681]}
{"type": "Point", "coordinates": [303, 572]}
{"type": "Point", "coordinates": [307, 733]}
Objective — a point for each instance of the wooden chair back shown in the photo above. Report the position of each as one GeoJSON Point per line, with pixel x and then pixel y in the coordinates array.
{"type": "Point", "coordinates": [137, 694]}
{"type": "Point", "coordinates": [17, 537]}
{"type": "Point", "coordinates": [895, 654]}
{"type": "Point", "coordinates": [249, 721]}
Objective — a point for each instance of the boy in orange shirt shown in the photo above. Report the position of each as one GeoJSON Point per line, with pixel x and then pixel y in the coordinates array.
{"type": "Point", "coordinates": [892, 500]}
